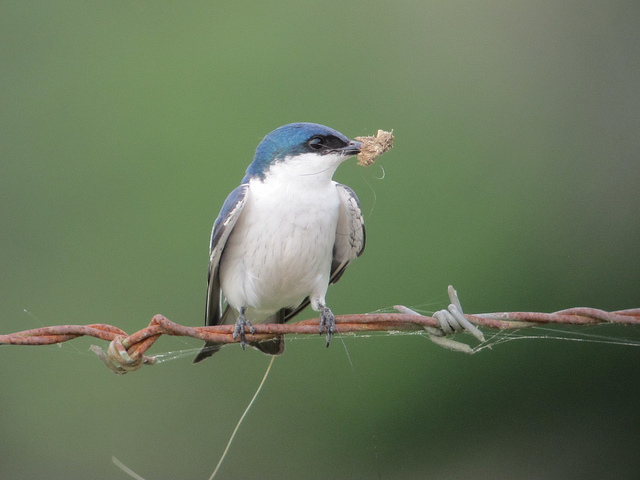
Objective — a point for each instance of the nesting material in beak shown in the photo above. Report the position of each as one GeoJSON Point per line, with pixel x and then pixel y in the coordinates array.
{"type": "Point", "coordinates": [373, 147]}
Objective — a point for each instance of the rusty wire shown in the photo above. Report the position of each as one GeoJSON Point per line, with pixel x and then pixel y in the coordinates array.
{"type": "Point", "coordinates": [127, 352]}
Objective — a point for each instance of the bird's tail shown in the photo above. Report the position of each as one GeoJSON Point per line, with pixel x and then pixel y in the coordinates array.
{"type": "Point", "coordinates": [273, 346]}
{"type": "Point", "coordinates": [205, 352]}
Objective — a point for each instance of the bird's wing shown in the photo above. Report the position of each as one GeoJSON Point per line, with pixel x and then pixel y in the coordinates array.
{"type": "Point", "coordinates": [350, 234]}
{"type": "Point", "coordinates": [349, 243]}
{"type": "Point", "coordinates": [222, 228]}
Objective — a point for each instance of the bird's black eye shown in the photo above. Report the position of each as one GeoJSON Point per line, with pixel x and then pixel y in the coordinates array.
{"type": "Point", "coordinates": [316, 143]}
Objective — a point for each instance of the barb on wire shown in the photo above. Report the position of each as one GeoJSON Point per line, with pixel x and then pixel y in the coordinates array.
{"type": "Point", "coordinates": [126, 353]}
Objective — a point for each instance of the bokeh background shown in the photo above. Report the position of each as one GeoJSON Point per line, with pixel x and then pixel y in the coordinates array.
{"type": "Point", "coordinates": [123, 126]}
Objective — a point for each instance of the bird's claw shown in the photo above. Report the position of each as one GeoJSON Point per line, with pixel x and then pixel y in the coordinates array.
{"type": "Point", "coordinates": [240, 330]}
{"type": "Point", "coordinates": [327, 323]}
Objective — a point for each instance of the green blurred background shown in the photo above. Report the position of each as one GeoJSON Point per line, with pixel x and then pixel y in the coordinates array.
{"type": "Point", "coordinates": [123, 126]}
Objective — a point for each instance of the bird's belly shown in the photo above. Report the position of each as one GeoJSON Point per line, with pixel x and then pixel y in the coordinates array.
{"type": "Point", "coordinates": [276, 257]}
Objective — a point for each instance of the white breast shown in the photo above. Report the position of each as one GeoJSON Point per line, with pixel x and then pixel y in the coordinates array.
{"type": "Point", "coordinates": [280, 250]}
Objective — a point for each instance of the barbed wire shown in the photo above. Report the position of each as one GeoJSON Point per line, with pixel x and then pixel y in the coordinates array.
{"type": "Point", "coordinates": [126, 353]}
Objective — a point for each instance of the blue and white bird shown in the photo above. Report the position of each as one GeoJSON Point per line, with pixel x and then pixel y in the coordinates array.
{"type": "Point", "coordinates": [283, 235]}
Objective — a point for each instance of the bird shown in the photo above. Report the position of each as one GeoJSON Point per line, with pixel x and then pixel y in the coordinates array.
{"type": "Point", "coordinates": [283, 235]}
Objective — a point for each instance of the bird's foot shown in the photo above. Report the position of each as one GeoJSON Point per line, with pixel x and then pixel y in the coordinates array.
{"type": "Point", "coordinates": [327, 323]}
{"type": "Point", "coordinates": [241, 325]}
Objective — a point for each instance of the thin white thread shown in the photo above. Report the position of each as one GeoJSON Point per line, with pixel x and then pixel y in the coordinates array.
{"type": "Point", "coordinates": [126, 469]}
{"type": "Point", "coordinates": [235, 430]}
{"type": "Point", "coordinates": [384, 174]}
{"type": "Point", "coordinates": [133, 474]}
{"type": "Point", "coordinates": [505, 336]}
{"type": "Point", "coordinates": [375, 197]}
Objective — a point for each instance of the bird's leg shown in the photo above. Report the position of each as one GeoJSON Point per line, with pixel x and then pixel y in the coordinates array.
{"type": "Point", "coordinates": [327, 322]}
{"type": "Point", "coordinates": [241, 324]}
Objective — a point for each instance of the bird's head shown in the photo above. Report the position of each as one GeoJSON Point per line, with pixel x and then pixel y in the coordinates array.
{"type": "Point", "coordinates": [302, 149]}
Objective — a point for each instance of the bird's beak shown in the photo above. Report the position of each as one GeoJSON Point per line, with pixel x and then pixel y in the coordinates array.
{"type": "Point", "coordinates": [352, 149]}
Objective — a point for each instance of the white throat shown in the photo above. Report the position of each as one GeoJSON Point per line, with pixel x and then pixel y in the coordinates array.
{"type": "Point", "coordinates": [305, 168]}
